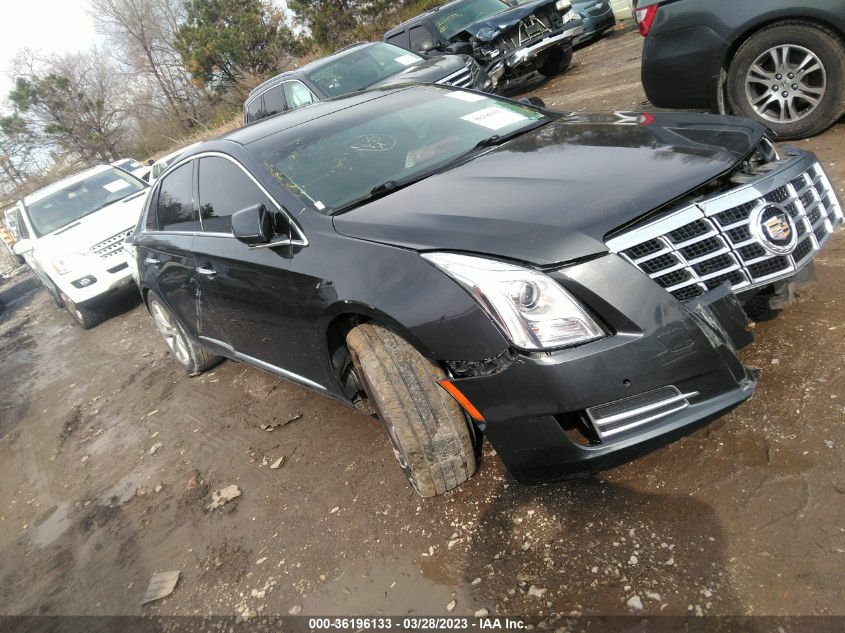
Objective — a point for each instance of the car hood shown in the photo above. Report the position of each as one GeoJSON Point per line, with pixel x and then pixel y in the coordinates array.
{"type": "Point", "coordinates": [427, 71]}
{"type": "Point", "coordinates": [553, 194]}
{"type": "Point", "coordinates": [486, 29]}
{"type": "Point", "coordinates": [80, 236]}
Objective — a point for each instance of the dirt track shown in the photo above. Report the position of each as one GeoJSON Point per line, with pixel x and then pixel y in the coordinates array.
{"type": "Point", "coordinates": [743, 517]}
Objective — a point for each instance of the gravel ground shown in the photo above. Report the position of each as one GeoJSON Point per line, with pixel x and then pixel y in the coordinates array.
{"type": "Point", "coordinates": [109, 455]}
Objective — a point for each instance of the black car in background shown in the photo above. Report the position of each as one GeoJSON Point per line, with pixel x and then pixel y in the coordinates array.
{"type": "Point", "coordinates": [462, 264]}
{"type": "Point", "coordinates": [780, 62]}
{"type": "Point", "coordinates": [509, 40]}
{"type": "Point", "coordinates": [358, 67]}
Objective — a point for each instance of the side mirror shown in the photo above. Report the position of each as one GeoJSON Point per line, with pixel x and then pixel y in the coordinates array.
{"type": "Point", "coordinates": [533, 101]}
{"type": "Point", "coordinates": [427, 45]}
{"type": "Point", "coordinates": [253, 225]}
{"type": "Point", "coordinates": [22, 247]}
{"type": "Point", "coordinates": [150, 162]}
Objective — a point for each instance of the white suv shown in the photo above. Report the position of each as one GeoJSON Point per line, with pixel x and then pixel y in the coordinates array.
{"type": "Point", "coordinates": [71, 235]}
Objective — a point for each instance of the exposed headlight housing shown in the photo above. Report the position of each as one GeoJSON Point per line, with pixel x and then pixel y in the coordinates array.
{"type": "Point", "coordinates": [563, 5]}
{"type": "Point", "coordinates": [487, 34]}
{"type": "Point", "coordinates": [570, 15]}
{"type": "Point", "coordinates": [531, 309]}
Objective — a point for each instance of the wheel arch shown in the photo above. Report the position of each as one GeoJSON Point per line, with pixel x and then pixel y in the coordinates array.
{"type": "Point", "coordinates": [349, 315]}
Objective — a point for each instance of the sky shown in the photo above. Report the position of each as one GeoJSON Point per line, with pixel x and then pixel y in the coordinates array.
{"type": "Point", "coordinates": [46, 26]}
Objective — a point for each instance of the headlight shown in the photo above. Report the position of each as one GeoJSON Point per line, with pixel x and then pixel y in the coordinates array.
{"type": "Point", "coordinates": [487, 34]}
{"type": "Point", "coordinates": [533, 310]}
{"type": "Point", "coordinates": [569, 16]}
{"type": "Point", "coordinates": [68, 262]}
{"type": "Point", "coordinates": [562, 5]}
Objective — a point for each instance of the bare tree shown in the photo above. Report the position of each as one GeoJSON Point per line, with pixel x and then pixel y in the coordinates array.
{"type": "Point", "coordinates": [142, 32]}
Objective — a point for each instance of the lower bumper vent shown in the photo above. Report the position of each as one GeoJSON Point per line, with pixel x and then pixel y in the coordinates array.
{"type": "Point", "coordinates": [629, 413]}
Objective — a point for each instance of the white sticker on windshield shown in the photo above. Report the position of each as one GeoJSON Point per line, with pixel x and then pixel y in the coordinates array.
{"type": "Point", "coordinates": [469, 97]}
{"type": "Point", "coordinates": [407, 60]}
{"type": "Point", "coordinates": [494, 118]}
{"type": "Point", "coordinates": [319, 205]}
{"type": "Point", "coordinates": [115, 185]}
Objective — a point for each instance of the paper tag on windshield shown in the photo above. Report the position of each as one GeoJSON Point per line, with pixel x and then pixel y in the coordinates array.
{"type": "Point", "coordinates": [494, 118]}
{"type": "Point", "coordinates": [115, 185]}
{"type": "Point", "coordinates": [407, 60]}
{"type": "Point", "coordinates": [469, 97]}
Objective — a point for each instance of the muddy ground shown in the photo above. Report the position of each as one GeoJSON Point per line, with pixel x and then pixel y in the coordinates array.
{"type": "Point", "coordinates": [109, 452]}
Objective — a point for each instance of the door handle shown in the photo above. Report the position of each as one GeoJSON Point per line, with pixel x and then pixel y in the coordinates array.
{"type": "Point", "coordinates": [152, 260]}
{"type": "Point", "coordinates": [206, 271]}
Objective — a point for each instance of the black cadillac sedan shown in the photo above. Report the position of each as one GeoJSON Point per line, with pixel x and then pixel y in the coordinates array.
{"type": "Point", "coordinates": [464, 265]}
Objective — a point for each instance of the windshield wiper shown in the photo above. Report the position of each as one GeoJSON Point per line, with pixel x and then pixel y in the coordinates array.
{"type": "Point", "coordinates": [381, 190]}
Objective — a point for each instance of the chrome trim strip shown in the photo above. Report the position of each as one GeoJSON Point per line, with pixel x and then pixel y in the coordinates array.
{"type": "Point", "coordinates": [529, 51]}
{"type": "Point", "coordinates": [260, 364]}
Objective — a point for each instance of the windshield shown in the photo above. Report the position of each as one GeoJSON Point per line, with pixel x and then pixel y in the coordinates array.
{"type": "Point", "coordinates": [362, 68]}
{"type": "Point", "coordinates": [339, 159]}
{"type": "Point", "coordinates": [453, 19]}
{"type": "Point", "coordinates": [80, 199]}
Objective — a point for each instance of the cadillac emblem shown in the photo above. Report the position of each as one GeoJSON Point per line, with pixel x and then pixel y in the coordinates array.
{"type": "Point", "coordinates": [774, 228]}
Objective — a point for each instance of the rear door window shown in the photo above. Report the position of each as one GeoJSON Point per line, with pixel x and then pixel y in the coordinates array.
{"type": "Point", "coordinates": [175, 205]}
{"type": "Point", "coordinates": [274, 101]}
{"type": "Point", "coordinates": [224, 189]}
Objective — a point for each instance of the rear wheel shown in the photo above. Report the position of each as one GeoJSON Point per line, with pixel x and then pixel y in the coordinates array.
{"type": "Point", "coordinates": [791, 78]}
{"type": "Point", "coordinates": [558, 61]}
{"type": "Point", "coordinates": [194, 358]}
{"type": "Point", "coordinates": [86, 316]}
{"type": "Point", "coordinates": [429, 431]}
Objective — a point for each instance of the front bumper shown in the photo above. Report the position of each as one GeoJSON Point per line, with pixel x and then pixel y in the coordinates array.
{"type": "Point", "coordinates": [112, 274]}
{"type": "Point", "coordinates": [595, 25]}
{"type": "Point", "coordinates": [538, 408]}
{"type": "Point", "coordinates": [520, 61]}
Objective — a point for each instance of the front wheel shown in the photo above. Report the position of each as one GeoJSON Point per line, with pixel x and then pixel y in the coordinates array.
{"type": "Point", "coordinates": [86, 316]}
{"type": "Point", "coordinates": [194, 358]}
{"type": "Point", "coordinates": [558, 61]}
{"type": "Point", "coordinates": [791, 78]}
{"type": "Point", "coordinates": [429, 432]}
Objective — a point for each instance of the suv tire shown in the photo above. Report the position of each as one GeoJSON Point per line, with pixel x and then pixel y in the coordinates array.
{"type": "Point", "coordinates": [745, 86]}
{"type": "Point", "coordinates": [193, 357]}
{"type": "Point", "coordinates": [428, 429]}
{"type": "Point", "coordinates": [87, 316]}
{"type": "Point", "coordinates": [558, 61]}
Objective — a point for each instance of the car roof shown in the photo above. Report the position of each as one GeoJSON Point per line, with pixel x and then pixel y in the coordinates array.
{"type": "Point", "coordinates": [309, 67]}
{"type": "Point", "coordinates": [173, 155]}
{"type": "Point", "coordinates": [270, 125]}
{"type": "Point", "coordinates": [64, 182]}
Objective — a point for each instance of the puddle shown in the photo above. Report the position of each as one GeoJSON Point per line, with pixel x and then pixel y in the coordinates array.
{"type": "Point", "coordinates": [122, 491]}
{"type": "Point", "coordinates": [51, 526]}
{"type": "Point", "coordinates": [444, 570]}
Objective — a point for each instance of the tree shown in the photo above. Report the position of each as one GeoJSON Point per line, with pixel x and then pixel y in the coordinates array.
{"type": "Point", "coordinates": [332, 23]}
{"type": "Point", "coordinates": [142, 32]}
{"type": "Point", "coordinates": [227, 44]}
{"type": "Point", "coordinates": [71, 103]}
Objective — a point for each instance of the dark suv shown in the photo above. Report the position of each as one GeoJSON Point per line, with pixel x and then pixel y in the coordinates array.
{"type": "Point", "coordinates": [460, 264]}
{"type": "Point", "coordinates": [509, 40]}
{"type": "Point", "coordinates": [780, 62]}
{"type": "Point", "coordinates": [358, 67]}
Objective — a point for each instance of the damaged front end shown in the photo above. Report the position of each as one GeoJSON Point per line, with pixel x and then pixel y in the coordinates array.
{"type": "Point", "coordinates": [524, 39]}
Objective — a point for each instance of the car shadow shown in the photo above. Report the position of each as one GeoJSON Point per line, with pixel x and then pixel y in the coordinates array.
{"type": "Point", "coordinates": [598, 547]}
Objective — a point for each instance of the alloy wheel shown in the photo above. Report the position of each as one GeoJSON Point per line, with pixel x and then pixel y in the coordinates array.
{"type": "Point", "coordinates": [786, 83]}
{"type": "Point", "coordinates": [171, 334]}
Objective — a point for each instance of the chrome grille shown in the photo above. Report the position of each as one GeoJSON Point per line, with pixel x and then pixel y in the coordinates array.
{"type": "Point", "coordinates": [705, 244]}
{"type": "Point", "coordinates": [112, 246]}
{"type": "Point", "coordinates": [629, 413]}
{"type": "Point", "coordinates": [464, 78]}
